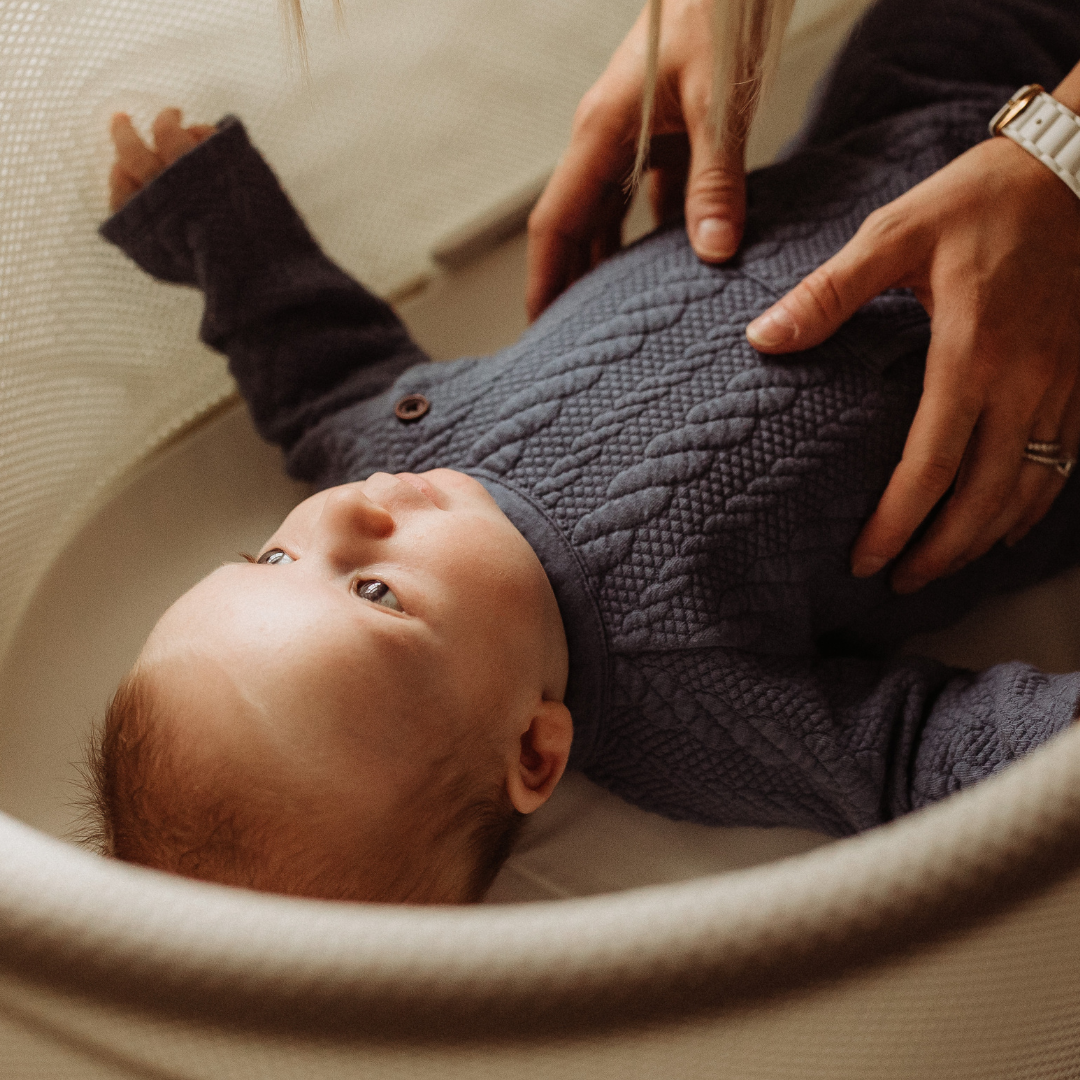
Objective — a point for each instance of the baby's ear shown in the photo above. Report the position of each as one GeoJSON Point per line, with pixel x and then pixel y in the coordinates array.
{"type": "Point", "coordinates": [538, 766]}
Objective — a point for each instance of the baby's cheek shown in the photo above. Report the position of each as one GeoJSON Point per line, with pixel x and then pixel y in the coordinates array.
{"type": "Point", "coordinates": [500, 566]}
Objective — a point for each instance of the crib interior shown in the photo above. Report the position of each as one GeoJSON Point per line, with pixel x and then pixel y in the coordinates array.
{"type": "Point", "coordinates": [127, 471]}
{"type": "Point", "coordinates": [111, 551]}
{"type": "Point", "coordinates": [218, 490]}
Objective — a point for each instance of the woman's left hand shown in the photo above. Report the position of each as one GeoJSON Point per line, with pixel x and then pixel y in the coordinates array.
{"type": "Point", "coordinates": [990, 245]}
{"type": "Point", "coordinates": [578, 221]}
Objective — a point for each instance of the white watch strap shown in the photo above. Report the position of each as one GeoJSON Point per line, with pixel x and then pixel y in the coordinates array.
{"type": "Point", "coordinates": [1046, 129]}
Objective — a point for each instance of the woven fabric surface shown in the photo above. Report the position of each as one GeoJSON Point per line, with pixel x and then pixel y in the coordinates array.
{"type": "Point", "coordinates": [691, 958]}
{"type": "Point", "coordinates": [1001, 1004]}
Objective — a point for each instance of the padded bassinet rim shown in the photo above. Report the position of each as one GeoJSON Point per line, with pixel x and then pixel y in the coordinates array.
{"type": "Point", "coordinates": [81, 924]}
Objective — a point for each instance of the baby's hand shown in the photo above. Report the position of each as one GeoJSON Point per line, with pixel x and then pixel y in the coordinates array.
{"type": "Point", "coordinates": [136, 164]}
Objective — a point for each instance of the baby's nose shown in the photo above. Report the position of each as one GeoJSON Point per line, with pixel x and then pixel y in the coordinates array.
{"type": "Point", "coordinates": [349, 518]}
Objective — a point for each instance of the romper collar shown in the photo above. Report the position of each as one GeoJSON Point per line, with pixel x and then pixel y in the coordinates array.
{"type": "Point", "coordinates": [584, 628]}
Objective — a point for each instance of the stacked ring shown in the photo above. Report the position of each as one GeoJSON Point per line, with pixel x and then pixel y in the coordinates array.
{"type": "Point", "coordinates": [1049, 454]}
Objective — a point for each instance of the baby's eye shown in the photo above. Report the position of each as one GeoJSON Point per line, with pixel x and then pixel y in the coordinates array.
{"type": "Point", "coordinates": [273, 556]}
{"type": "Point", "coordinates": [378, 593]}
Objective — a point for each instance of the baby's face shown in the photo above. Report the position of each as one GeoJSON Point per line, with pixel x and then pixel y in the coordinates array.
{"type": "Point", "coordinates": [383, 623]}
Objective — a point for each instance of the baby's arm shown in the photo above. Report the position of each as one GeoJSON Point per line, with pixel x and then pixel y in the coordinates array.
{"type": "Point", "coordinates": [835, 745]}
{"type": "Point", "coordinates": [303, 339]}
{"type": "Point", "coordinates": [137, 164]}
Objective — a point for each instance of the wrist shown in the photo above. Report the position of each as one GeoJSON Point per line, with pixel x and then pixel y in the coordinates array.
{"type": "Point", "coordinates": [1027, 174]}
{"type": "Point", "coordinates": [1068, 90]}
{"type": "Point", "coordinates": [1045, 128]}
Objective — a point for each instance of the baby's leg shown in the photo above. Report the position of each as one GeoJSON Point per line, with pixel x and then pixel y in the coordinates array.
{"type": "Point", "coordinates": [907, 54]}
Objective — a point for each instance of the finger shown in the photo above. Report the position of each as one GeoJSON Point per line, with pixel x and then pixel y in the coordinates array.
{"type": "Point", "coordinates": [670, 157]}
{"type": "Point", "coordinates": [1034, 484]}
{"type": "Point", "coordinates": [667, 194]}
{"type": "Point", "coordinates": [171, 139]}
{"type": "Point", "coordinates": [563, 219]}
{"type": "Point", "coordinates": [715, 185]}
{"type": "Point", "coordinates": [1037, 485]}
{"type": "Point", "coordinates": [600, 154]}
{"type": "Point", "coordinates": [935, 446]}
{"type": "Point", "coordinates": [201, 132]}
{"type": "Point", "coordinates": [121, 188]}
{"type": "Point", "coordinates": [133, 155]}
{"type": "Point", "coordinates": [1068, 434]}
{"type": "Point", "coordinates": [572, 260]}
{"type": "Point", "coordinates": [877, 257]}
{"type": "Point", "coordinates": [560, 228]}
{"type": "Point", "coordinates": [607, 226]}
{"type": "Point", "coordinates": [986, 483]}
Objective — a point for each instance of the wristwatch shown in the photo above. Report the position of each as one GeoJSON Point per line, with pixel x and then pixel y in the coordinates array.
{"type": "Point", "coordinates": [1044, 128]}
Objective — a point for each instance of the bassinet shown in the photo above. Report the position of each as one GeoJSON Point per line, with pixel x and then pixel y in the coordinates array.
{"type": "Point", "coordinates": [945, 945]}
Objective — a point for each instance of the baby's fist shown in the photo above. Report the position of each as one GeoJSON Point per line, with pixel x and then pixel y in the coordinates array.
{"type": "Point", "coordinates": [136, 163]}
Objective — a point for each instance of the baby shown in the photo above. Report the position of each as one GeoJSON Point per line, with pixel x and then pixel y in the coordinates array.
{"type": "Point", "coordinates": [620, 544]}
{"type": "Point", "coordinates": [391, 666]}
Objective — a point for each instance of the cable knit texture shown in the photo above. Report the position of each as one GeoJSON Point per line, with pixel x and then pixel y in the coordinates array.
{"type": "Point", "coordinates": [693, 502]}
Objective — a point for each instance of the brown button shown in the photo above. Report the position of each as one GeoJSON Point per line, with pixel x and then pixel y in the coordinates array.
{"type": "Point", "coordinates": [411, 407]}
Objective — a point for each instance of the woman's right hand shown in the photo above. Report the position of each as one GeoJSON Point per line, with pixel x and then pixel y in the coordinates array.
{"type": "Point", "coordinates": [578, 220]}
{"type": "Point", "coordinates": [990, 245]}
{"type": "Point", "coordinates": [136, 163]}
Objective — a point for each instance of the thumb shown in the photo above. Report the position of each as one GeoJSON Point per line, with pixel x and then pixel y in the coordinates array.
{"type": "Point", "coordinates": [815, 309]}
{"type": "Point", "coordinates": [715, 194]}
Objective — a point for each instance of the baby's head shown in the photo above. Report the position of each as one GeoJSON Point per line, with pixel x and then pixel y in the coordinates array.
{"type": "Point", "coordinates": [364, 712]}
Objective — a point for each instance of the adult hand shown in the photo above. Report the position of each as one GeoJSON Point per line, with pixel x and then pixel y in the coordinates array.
{"type": "Point", "coordinates": [991, 247]}
{"type": "Point", "coordinates": [578, 220]}
{"type": "Point", "coordinates": [136, 163]}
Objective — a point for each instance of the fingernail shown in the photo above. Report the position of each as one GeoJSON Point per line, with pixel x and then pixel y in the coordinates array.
{"type": "Point", "coordinates": [715, 238]}
{"type": "Point", "coordinates": [867, 565]}
{"type": "Point", "coordinates": [775, 327]}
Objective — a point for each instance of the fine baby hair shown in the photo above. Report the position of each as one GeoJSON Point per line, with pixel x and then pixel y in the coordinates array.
{"type": "Point", "coordinates": [157, 809]}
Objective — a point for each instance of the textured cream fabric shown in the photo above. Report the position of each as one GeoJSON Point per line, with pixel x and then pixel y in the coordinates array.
{"type": "Point", "coordinates": [928, 970]}
{"type": "Point", "coordinates": [417, 118]}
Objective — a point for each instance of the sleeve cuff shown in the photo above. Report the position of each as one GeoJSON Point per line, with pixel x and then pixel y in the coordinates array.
{"type": "Point", "coordinates": [150, 228]}
{"type": "Point", "coordinates": [982, 723]}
